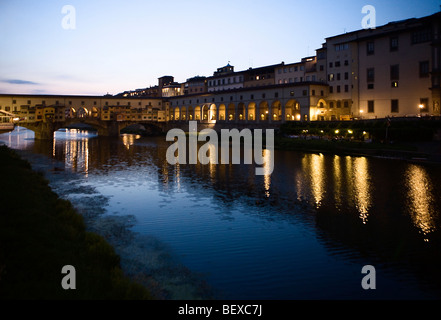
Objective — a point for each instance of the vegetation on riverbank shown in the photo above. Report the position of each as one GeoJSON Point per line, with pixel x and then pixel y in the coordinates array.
{"type": "Point", "coordinates": [40, 233]}
{"type": "Point", "coordinates": [397, 138]}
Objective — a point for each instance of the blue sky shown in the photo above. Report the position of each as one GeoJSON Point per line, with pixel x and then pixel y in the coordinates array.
{"type": "Point", "coordinates": [124, 45]}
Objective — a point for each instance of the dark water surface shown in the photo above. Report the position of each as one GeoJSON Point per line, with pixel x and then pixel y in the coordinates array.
{"type": "Point", "coordinates": [303, 232]}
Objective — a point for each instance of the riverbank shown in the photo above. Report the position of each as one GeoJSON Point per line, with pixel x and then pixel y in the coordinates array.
{"type": "Point", "coordinates": [40, 233]}
{"type": "Point", "coordinates": [428, 152]}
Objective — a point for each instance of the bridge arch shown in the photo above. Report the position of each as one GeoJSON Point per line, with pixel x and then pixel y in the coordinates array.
{"type": "Point", "coordinates": [231, 112]}
{"type": "Point", "coordinates": [222, 112]}
{"type": "Point", "coordinates": [241, 111]}
{"type": "Point", "coordinates": [263, 111]}
{"type": "Point", "coordinates": [276, 111]}
{"type": "Point", "coordinates": [292, 110]}
{"type": "Point", "coordinates": [190, 113]}
{"type": "Point", "coordinates": [251, 111]}
{"type": "Point", "coordinates": [176, 113]}
{"type": "Point", "coordinates": [183, 113]}
{"type": "Point", "coordinates": [197, 113]}
{"type": "Point", "coordinates": [213, 113]}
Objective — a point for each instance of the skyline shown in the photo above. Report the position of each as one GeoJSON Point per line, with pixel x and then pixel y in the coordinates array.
{"type": "Point", "coordinates": [119, 46]}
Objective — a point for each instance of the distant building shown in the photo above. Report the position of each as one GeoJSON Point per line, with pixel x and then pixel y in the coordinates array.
{"type": "Point", "coordinates": [225, 79]}
{"type": "Point", "coordinates": [390, 71]}
{"type": "Point", "coordinates": [195, 85]}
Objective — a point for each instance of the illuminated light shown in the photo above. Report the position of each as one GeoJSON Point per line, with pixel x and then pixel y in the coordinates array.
{"type": "Point", "coordinates": [350, 131]}
{"type": "Point", "coordinates": [321, 131]}
{"type": "Point", "coordinates": [421, 199]}
{"type": "Point", "coordinates": [298, 117]}
{"type": "Point", "coordinates": [362, 187]}
{"type": "Point", "coordinates": [337, 131]}
{"type": "Point", "coordinates": [364, 132]}
{"type": "Point", "coordinates": [421, 106]}
{"type": "Point", "coordinates": [361, 111]}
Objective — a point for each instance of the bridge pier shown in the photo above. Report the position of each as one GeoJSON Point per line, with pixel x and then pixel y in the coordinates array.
{"type": "Point", "coordinates": [43, 130]}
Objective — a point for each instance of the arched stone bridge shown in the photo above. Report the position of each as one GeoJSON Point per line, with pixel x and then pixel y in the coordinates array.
{"type": "Point", "coordinates": [45, 129]}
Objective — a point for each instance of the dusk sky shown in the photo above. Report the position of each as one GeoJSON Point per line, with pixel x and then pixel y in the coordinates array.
{"type": "Point", "coordinates": [125, 45]}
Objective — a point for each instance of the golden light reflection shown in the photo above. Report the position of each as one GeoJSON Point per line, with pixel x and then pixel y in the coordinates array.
{"type": "Point", "coordinates": [178, 176]}
{"type": "Point", "coordinates": [420, 197]}
{"type": "Point", "coordinates": [212, 150]}
{"type": "Point", "coordinates": [268, 159]}
{"type": "Point", "coordinates": [76, 151]}
{"type": "Point", "coordinates": [315, 166]}
{"type": "Point", "coordinates": [129, 140]}
{"type": "Point", "coordinates": [362, 187]}
{"type": "Point", "coordinates": [337, 182]}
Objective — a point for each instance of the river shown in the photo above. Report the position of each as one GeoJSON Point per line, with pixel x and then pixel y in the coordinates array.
{"type": "Point", "coordinates": [219, 231]}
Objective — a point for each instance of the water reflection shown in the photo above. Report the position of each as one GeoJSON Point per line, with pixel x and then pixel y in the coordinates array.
{"type": "Point", "coordinates": [362, 190]}
{"type": "Point", "coordinates": [281, 226]}
{"type": "Point", "coordinates": [420, 198]}
{"type": "Point", "coordinates": [314, 167]}
{"type": "Point", "coordinates": [129, 139]}
{"type": "Point", "coordinates": [268, 159]}
{"type": "Point", "coordinates": [338, 192]}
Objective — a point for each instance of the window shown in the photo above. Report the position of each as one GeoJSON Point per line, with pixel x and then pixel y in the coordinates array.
{"type": "Point", "coordinates": [331, 77]}
{"type": "Point", "coordinates": [331, 89]}
{"type": "Point", "coordinates": [313, 92]}
{"type": "Point", "coordinates": [395, 72]}
{"type": "Point", "coordinates": [424, 105]}
{"type": "Point", "coordinates": [346, 75]}
{"type": "Point", "coordinates": [29, 101]}
{"type": "Point", "coordinates": [321, 67]}
{"type": "Point", "coordinates": [394, 106]}
{"type": "Point", "coordinates": [291, 93]}
{"type": "Point", "coordinates": [346, 62]}
{"type": "Point", "coordinates": [370, 75]}
{"type": "Point", "coordinates": [330, 64]}
{"type": "Point", "coordinates": [338, 76]}
{"type": "Point", "coordinates": [393, 44]}
{"type": "Point", "coordinates": [370, 86]}
{"type": "Point", "coordinates": [276, 95]}
{"type": "Point", "coordinates": [422, 35]}
{"type": "Point", "coordinates": [339, 104]}
{"type": "Point", "coordinates": [263, 95]}
{"type": "Point", "coordinates": [394, 84]}
{"type": "Point", "coordinates": [338, 88]}
{"type": "Point", "coordinates": [370, 48]}
{"type": "Point", "coordinates": [424, 69]}
{"type": "Point", "coordinates": [371, 106]}
{"type": "Point", "coordinates": [346, 88]}
{"type": "Point", "coordinates": [341, 47]}
{"type": "Point", "coordinates": [346, 104]}
{"type": "Point", "coordinates": [331, 104]}
{"type": "Point", "coordinates": [337, 63]}
{"type": "Point", "coordinates": [14, 101]}
{"type": "Point", "coordinates": [305, 92]}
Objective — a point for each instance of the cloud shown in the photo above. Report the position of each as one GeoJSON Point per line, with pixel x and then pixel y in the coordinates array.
{"type": "Point", "coordinates": [17, 81]}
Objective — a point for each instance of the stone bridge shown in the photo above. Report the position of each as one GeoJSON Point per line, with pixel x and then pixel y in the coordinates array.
{"type": "Point", "coordinates": [45, 129]}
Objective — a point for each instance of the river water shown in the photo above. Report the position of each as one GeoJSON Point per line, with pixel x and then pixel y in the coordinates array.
{"type": "Point", "coordinates": [305, 231]}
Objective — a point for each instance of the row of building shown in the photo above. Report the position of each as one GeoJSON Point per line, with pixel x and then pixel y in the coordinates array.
{"type": "Point", "coordinates": [390, 71]}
